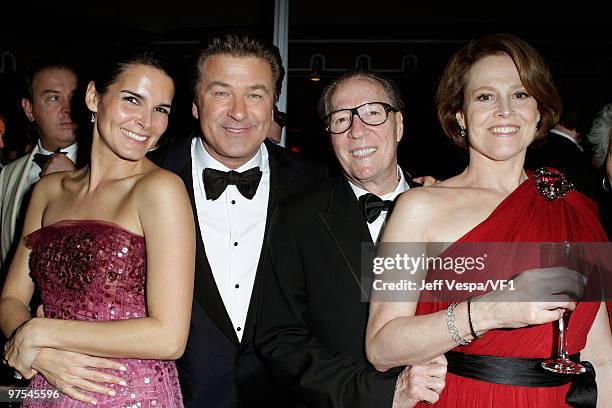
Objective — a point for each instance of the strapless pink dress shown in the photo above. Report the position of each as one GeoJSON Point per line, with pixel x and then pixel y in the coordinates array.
{"type": "Point", "coordinates": [96, 271]}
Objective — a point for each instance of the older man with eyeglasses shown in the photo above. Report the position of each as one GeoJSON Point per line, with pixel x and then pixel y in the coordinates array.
{"type": "Point", "coordinates": [312, 320]}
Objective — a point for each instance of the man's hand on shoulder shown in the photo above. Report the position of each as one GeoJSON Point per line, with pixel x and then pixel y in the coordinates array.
{"type": "Point", "coordinates": [426, 181]}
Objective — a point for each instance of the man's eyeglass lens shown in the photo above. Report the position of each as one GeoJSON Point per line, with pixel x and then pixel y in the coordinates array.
{"type": "Point", "coordinates": [373, 114]}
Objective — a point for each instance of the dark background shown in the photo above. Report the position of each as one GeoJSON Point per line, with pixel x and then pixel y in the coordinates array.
{"type": "Point", "coordinates": [406, 40]}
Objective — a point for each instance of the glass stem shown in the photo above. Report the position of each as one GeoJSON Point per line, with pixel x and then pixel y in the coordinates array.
{"type": "Point", "coordinates": [562, 338]}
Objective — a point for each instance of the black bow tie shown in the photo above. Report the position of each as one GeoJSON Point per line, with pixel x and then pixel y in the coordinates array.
{"type": "Point", "coordinates": [41, 159]}
{"type": "Point", "coordinates": [372, 205]}
{"type": "Point", "coordinates": [216, 181]}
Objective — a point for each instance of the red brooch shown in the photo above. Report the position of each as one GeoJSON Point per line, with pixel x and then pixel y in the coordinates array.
{"type": "Point", "coordinates": [551, 183]}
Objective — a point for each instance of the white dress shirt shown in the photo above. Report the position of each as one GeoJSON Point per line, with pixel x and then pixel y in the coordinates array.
{"type": "Point", "coordinates": [34, 173]}
{"type": "Point", "coordinates": [232, 229]}
{"type": "Point", "coordinates": [378, 224]}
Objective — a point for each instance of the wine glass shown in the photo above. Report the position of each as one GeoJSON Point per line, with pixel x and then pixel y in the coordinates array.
{"type": "Point", "coordinates": [561, 254]}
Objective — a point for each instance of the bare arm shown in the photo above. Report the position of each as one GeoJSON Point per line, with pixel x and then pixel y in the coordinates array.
{"type": "Point", "coordinates": [598, 351]}
{"type": "Point", "coordinates": [393, 333]}
{"type": "Point", "coordinates": [18, 288]}
{"type": "Point", "coordinates": [167, 223]}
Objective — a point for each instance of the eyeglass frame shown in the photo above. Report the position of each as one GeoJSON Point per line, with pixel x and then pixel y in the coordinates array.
{"type": "Point", "coordinates": [355, 111]}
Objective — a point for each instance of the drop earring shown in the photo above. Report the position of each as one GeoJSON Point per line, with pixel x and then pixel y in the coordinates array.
{"type": "Point", "coordinates": [462, 131]}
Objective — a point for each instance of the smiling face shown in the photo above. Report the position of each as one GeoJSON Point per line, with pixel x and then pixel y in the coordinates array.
{"type": "Point", "coordinates": [234, 106]}
{"type": "Point", "coordinates": [501, 118]}
{"type": "Point", "coordinates": [52, 90]}
{"type": "Point", "coordinates": [367, 154]}
{"type": "Point", "coordinates": [133, 113]}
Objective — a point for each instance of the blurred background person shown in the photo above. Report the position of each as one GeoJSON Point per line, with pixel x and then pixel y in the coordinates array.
{"type": "Point", "coordinates": [276, 129]}
{"type": "Point", "coordinates": [50, 85]}
{"type": "Point", "coordinates": [600, 135]}
{"type": "Point", "coordinates": [562, 148]}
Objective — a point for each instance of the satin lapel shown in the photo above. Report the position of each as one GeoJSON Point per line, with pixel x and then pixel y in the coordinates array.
{"type": "Point", "coordinates": [278, 190]}
{"type": "Point", "coordinates": [205, 288]}
{"type": "Point", "coordinates": [347, 226]}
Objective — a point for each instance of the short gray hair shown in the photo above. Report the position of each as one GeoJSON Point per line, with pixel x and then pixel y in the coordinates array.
{"type": "Point", "coordinates": [390, 87]}
{"type": "Point", "coordinates": [600, 134]}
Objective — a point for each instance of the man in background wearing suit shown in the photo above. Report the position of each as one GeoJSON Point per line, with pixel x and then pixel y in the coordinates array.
{"type": "Point", "coordinates": [562, 150]}
{"type": "Point", "coordinates": [50, 85]}
{"type": "Point", "coordinates": [312, 319]}
{"type": "Point", "coordinates": [235, 178]}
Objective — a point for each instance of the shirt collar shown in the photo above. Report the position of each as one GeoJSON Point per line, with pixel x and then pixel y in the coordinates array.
{"type": "Point", "coordinates": [68, 150]}
{"type": "Point", "coordinates": [402, 186]}
{"type": "Point", "coordinates": [205, 160]}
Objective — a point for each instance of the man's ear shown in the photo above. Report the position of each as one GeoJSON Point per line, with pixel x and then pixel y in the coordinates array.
{"type": "Point", "coordinates": [399, 126]}
{"type": "Point", "coordinates": [91, 97]}
{"type": "Point", "coordinates": [194, 110]}
{"type": "Point", "coordinates": [26, 104]}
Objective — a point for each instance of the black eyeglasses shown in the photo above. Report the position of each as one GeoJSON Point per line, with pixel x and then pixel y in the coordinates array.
{"type": "Point", "coordinates": [371, 113]}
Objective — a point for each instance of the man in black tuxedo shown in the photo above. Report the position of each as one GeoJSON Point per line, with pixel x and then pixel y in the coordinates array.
{"type": "Point", "coordinates": [234, 179]}
{"type": "Point", "coordinates": [561, 149]}
{"type": "Point", "coordinates": [312, 319]}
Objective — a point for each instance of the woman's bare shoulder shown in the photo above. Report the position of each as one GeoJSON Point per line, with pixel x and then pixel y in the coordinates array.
{"type": "Point", "coordinates": [159, 185]}
{"type": "Point", "coordinates": [422, 211]}
{"type": "Point", "coordinates": [427, 199]}
{"type": "Point", "coordinates": [159, 178]}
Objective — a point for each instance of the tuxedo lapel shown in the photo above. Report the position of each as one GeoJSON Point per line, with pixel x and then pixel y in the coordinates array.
{"type": "Point", "coordinates": [205, 288]}
{"type": "Point", "coordinates": [344, 221]}
{"type": "Point", "coordinates": [278, 190]}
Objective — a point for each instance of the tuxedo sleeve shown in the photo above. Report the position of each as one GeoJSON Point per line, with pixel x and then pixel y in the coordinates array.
{"type": "Point", "coordinates": [319, 375]}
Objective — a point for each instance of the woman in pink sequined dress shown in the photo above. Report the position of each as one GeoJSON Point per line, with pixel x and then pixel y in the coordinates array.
{"type": "Point", "coordinates": [111, 249]}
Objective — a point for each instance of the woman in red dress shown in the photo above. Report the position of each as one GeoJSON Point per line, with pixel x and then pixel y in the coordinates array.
{"type": "Point", "coordinates": [495, 97]}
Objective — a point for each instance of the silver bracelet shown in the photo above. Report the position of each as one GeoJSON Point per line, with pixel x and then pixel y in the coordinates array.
{"type": "Point", "coordinates": [452, 329]}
